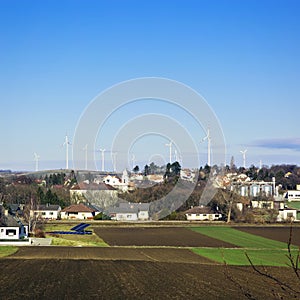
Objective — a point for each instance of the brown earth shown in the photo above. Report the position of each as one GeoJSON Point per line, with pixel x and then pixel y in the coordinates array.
{"type": "Point", "coordinates": [118, 253]}
{"type": "Point", "coordinates": [280, 234]}
{"type": "Point", "coordinates": [157, 236]}
{"type": "Point", "coordinates": [121, 279]}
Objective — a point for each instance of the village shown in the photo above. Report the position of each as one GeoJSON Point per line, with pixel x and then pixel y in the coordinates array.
{"type": "Point", "coordinates": [98, 198]}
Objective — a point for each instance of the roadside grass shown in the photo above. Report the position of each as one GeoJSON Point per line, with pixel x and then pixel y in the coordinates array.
{"type": "Point", "coordinates": [77, 240]}
{"type": "Point", "coordinates": [237, 257]}
{"type": "Point", "coordinates": [7, 250]}
{"type": "Point", "coordinates": [72, 239]}
{"type": "Point", "coordinates": [240, 238]}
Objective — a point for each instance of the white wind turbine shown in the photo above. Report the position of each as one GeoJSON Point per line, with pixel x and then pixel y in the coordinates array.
{"type": "Point", "coordinates": [85, 148]}
{"type": "Point", "coordinates": [67, 143]}
{"type": "Point", "coordinates": [244, 157]}
{"type": "Point", "coordinates": [208, 138]}
{"type": "Point", "coordinates": [170, 151]}
{"type": "Point", "coordinates": [36, 159]}
{"type": "Point", "coordinates": [102, 158]}
{"type": "Point", "coordinates": [133, 161]}
{"type": "Point", "coordinates": [114, 160]}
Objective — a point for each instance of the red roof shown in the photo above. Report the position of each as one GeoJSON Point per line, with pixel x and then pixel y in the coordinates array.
{"type": "Point", "coordinates": [93, 187]}
{"type": "Point", "coordinates": [76, 208]}
{"type": "Point", "coordinates": [200, 210]}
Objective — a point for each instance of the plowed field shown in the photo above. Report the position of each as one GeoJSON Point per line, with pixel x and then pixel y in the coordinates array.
{"type": "Point", "coordinates": [156, 236]}
{"type": "Point", "coordinates": [280, 234]}
{"type": "Point", "coordinates": [96, 279]}
{"type": "Point", "coordinates": [119, 253]}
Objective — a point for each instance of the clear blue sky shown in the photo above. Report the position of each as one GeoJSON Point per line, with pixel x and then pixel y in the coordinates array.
{"type": "Point", "coordinates": [243, 57]}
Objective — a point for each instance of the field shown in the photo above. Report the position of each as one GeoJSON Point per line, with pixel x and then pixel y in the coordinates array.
{"type": "Point", "coordinates": [149, 263]}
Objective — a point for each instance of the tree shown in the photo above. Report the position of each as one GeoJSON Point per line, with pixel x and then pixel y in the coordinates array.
{"type": "Point", "coordinates": [136, 169]}
{"type": "Point", "coordinates": [146, 170]}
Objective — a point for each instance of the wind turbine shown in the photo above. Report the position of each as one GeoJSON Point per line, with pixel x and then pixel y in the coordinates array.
{"type": "Point", "coordinates": [208, 138]}
{"type": "Point", "coordinates": [36, 159]}
{"type": "Point", "coordinates": [102, 158]}
{"type": "Point", "coordinates": [133, 161]}
{"type": "Point", "coordinates": [170, 152]}
{"type": "Point", "coordinates": [85, 148]}
{"type": "Point", "coordinates": [244, 157]}
{"type": "Point", "coordinates": [67, 143]}
{"type": "Point", "coordinates": [114, 159]}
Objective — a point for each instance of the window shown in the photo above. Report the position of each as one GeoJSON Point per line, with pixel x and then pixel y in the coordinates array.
{"type": "Point", "coordinates": [43, 213]}
{"type": "Point", "coordinates": [197, 215]}
{"type": "Point", "coordinates": [204, 215]}
{"type": "Point", "coordinates": [11, 232]}
{"type": "Point", "coordinates": [51, 213]}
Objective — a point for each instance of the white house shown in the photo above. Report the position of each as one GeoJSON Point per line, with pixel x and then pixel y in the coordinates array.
{"type": "Point", "coordinates": [12, 229]}
{"type": "Point", "coordinates": [293, 195]}
{"type": "Point", "coordinates": [130, 212]}
{"type": "Point", "coordinates": [201, 213]}
{"type": "Point", "coordinates": [46, 212]}
{"type": "Point", "coordinates": [117, 182]}
{"type": "Point", "coordinates": [287, 214]}
{"type": "Point", "coordinates": [78, 212]}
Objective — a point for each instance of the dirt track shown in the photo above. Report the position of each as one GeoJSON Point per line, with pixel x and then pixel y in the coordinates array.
{"type": "Point", "coordinates": [156, 236]}
{"type": "Point", "coordinates": [96, 279]}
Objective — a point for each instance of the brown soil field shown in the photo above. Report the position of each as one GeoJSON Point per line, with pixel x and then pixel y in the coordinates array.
{"type": "Point", "coordinates": [157, 236]}
{"type": "Point", "coordinates": [108, 279]}
{"type": "Point", "coordinates": [275, 233]}
{"type": "Point", "coordinates": [118, 253]}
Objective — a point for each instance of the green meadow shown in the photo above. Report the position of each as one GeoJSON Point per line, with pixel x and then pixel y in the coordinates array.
{"type": "Point", "coordinates": [261, 251]}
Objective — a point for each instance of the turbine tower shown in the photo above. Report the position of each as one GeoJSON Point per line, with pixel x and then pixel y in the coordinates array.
{"type": "Point", "coordinates": [85, 148]}
{"type": "Point", "coordinates": [244, 157]}
{"type": "Point", "coordinates": [170, 151]}
{"type": "Point", "coordinates": [102, 158]}
{"type": "Point", "coordinates": [114, 159]}
{"type": "Point", "coordinates": [133, 161]}
{"type": "Point", "coordinates": [208, 138]}
{"type": "Point", "coordinates": [67, 143]}
{"type": "Point", "coordinates": [36, 159]}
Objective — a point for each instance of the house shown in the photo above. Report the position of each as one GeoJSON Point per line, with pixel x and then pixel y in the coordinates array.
{"type": "Point", "coordinates": [117, 182]}
{"type": "Point", "coordinates": [46, 212]}
{"type": "Point", "coordinates": [101, 194]}
{"type": "Point", "coordinates": [12, 229]}
{"type": "Point", "coordinates": [202, 213]}
{"type": "Point", "coordinates": [130, 212]}
{"type": "Point", "coordinates": [287, 214]}
{"type": "Point", "coordinates": [78, 212]}
{"type": "Point", "coordinates": [293, 195]}
{"type": "Point", "coordinates": [262, 203]}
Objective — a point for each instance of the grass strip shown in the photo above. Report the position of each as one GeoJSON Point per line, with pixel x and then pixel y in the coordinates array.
{"type": "Point", "coordinates": [240, 238]}
{"type": "Point", "coordinates": [7, 250]}
{"type": "Point", "coordinates": [237, 257]}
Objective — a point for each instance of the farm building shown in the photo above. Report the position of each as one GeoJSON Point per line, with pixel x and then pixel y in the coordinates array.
{"type": "Point", "coordinates": [78, 212]}
{"type": "Point", "coordinates": [130, 212]}
{"type": "Point", "coordinates": [46, 212]}
{"type": "Point", "coordinates": [201, 213]}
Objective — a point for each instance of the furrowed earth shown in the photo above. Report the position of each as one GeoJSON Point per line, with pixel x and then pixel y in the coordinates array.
{"type": "Point", "coordinates": [147, 263]}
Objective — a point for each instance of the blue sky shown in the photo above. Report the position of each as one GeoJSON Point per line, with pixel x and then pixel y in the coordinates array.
{"type": "Point", "coordinates": [243, 57]}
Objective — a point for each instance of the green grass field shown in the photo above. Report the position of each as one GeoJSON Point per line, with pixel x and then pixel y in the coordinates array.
{"type": "Point", "coordinates": [239, 238]}
{"type": "Point", "coordinates": [7, 250]}
{"type": "Point", "coordinates": [237, 257]}
{"type": "Point", "coordinates": [261, 251]}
